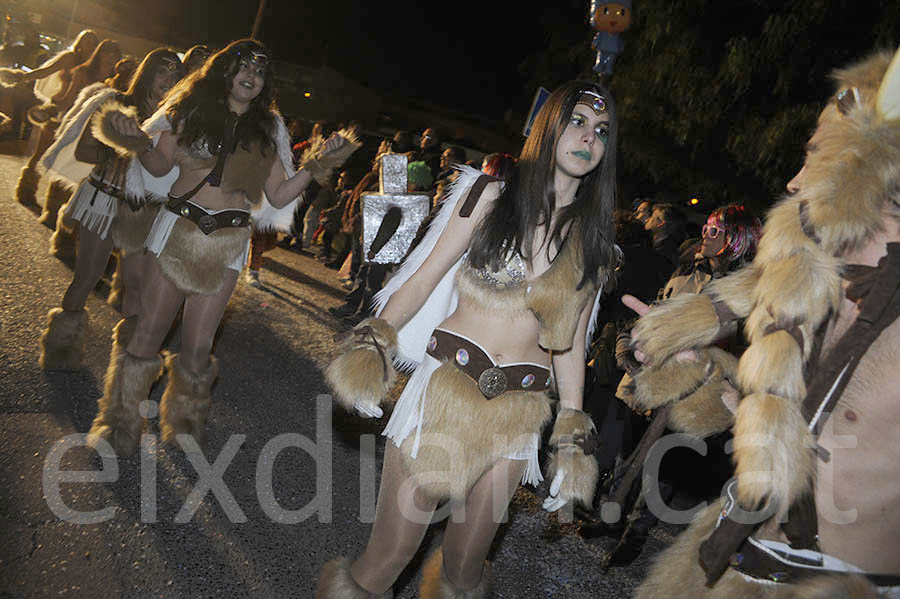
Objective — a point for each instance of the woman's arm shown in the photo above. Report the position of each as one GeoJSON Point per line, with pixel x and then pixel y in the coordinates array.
{"type": "Point", "coordinates": [64, 61]}
{"type": "Point", "coordinates": [450, 246]}
{"type": "Point", "coordinates": [568, 367]}
{"type": "Point", "coordinates": [89, 149]}
{"type": "Point", "coordinates": [281, 190]}
{"type": "Point", "coordinates": [159, 159]}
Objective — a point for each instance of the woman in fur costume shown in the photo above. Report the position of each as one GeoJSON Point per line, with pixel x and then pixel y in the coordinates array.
{"type": "Point", "coordinates": [815, 430]}
{"type": "Point", "coordinates": [218, 150]}
{"type": "Point", "coordinates": [107, 218]}
{"type": "Point", "coordinates": [97, 68]}
{"type": "Point", "coordinates": [499, 291]}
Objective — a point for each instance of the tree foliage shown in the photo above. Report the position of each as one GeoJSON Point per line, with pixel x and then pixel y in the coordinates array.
{"type": "Point", "coordinates": [717, 99]}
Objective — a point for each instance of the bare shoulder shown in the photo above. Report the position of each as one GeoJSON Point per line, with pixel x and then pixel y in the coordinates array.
{"type": "Point", "coordinates": [489, 195]}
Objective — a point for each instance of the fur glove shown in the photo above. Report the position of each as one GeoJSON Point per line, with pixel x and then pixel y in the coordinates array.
{"type": "Point", "coordinates": [363, 373]}
{"type": "Point", "coordinates": [320, 162]}
{"type": "Point", "coordinates": [103, 130]}
{"type": "Point", "coordinates": [573, 469]}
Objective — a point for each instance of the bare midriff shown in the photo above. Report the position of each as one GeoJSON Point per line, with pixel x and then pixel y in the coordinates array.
{"type": "Point", "coordinates": [209, 197]}
{"type": "Point", "coordinates": [508, 339]}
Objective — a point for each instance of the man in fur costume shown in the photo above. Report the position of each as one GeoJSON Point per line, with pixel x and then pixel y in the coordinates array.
{"type": "Point", "coordinates": [813, 512]}
{"type": "Point", "coordinates": [218, 150]}
{"type": "Point", "coordinates": [499, 291]}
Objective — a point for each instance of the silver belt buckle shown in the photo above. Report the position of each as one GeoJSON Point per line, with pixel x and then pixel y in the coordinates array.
{"type": "Point", "coordinates": [207, 223]}
{"type": "Point", "coordinates": [492, 382]}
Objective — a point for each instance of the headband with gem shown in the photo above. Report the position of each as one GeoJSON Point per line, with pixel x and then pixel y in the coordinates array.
{"type": "Point", "coordinates": [170, 63]}
{"type": "Point", "coordinates": [593, 100]}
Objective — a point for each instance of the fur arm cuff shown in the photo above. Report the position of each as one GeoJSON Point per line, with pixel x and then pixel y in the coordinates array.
{"type": "Point", "coordinates": [364, 372]}
{"type": "Point", "coordinates": [574, 440]}
{"type": "Point", "coordinates": [321, 164]}
{"type": "Point", "coordinates": [676, 324]}
{"type": "Point", "coordinates": [102, 128]}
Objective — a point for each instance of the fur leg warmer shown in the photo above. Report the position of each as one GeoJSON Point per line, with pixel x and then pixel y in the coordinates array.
{"type": "Point", "coordinates": [572, 440]}
{"type": "Point", "coordinates": [128, 383]}
{"type": "Point", "coordinates": [364, 372]}
{"type": "Point", "coordinates": [62, 344]}
{"type": "Point", "coordinates": [185, 403]}
{"type": "Point", "coordinates": [336, 582]}
{"type": "Point", "coordinates": [436, 585]}
{"type": "Point", "coordinates": [64, 241]}
{"type": "Point", "coordinates": [58, 193]}
{"type": "Point", "coordinates": [26, 188]}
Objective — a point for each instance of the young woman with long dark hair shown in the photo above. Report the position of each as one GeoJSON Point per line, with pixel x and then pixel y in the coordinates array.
{"type": "Point", "coordinates": [108, 217]}
{"type": "Point", "coordinates": [499, 292]}
{"type": "Point", "coordinates": [221, 129]}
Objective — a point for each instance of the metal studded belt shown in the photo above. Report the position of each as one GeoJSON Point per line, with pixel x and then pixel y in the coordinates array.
{"type": "Point", "coordinates": [207, 222]}
{"type": "Point", "coordinates": [474, 362]}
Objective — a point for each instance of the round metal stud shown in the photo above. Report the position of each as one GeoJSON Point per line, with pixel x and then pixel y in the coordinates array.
{"type": "Point", "coordinates": [432, 343]}
{"type": "Point", "coordinates": [462, 357]}
{"type": "Point", "coordinates": [185, 211]}
{"type": "Point", "coordinates": [236, 221]}
{"type": "Point", "coordinates": [527, 381]}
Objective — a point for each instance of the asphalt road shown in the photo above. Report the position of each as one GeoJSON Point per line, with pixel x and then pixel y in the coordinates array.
{"type": "Point", "coordinates": [297, 476]}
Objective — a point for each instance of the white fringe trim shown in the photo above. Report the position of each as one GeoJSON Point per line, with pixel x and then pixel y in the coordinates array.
{"type": "Point", "coordinates": [409, 413]}
{"type": "Point", "coordinates": [94, 209]}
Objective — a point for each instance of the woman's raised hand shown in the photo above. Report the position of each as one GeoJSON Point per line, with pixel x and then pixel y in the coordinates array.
{"type": "Point", "coordinates": [126, 125]}
{"type": "Point", "coordinates": [332, 144]}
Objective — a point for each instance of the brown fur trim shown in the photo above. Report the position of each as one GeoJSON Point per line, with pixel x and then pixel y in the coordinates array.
{"type": "Point", "coordinates": [336, 582]}
{"type": "Point", "coordinates": [582, 471]}
{"type": "Point", "coordinates": [436, 585]}
{"type": "Point", "coordinates": [358, 373]}
{"type": "Point", "coordinates": [58, 194]}
{"type": "Point", "coordinates": [26, 187]}
{"type": "Point", "coordinates": [186, 400]}
{"type": "Point", "coordinates": [774, 457]}
{"type": "Point", "coordinates": [101, 127]}
{"type": "Point", "coordinates": [695, 386]}
{"type": "Point", "coordinates": [64, 241]}
{"type": "Point", "coordinates": [62, 344]}
{"type": "Point", "coordinates": [735, 290]}
{"type": "Point", "coordinates": [130, 229]}
{"type": "Point", "coordinates": [195, 262]}
{"type": "Point", "coordinates": [554, 300]}
{"type": "Point", "coordinates": [773, 364]}
{"type": "Point", "coordinates": [464, 434]}
{"type": "Point", "coordinates": [490, 300]}
{"type": "Point", "coordinates": [682, 322]}
{"type": "Point", "coordinates": [128, 382]}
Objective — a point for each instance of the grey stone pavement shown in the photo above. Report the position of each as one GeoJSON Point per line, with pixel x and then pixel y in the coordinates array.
{"type": "Point", "coordinates": [279, 453]}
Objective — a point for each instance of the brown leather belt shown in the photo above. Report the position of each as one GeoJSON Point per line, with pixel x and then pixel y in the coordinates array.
{"type": "Point", "coordinates": [474, 362]}
{"type": "Point", "coordinates": [207, 222]}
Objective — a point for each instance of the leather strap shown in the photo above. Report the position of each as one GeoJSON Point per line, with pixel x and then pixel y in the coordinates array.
{"type": "Point", "coordinates": [208, 223]}
{"type": "Point", "coordinates": [474, 195]}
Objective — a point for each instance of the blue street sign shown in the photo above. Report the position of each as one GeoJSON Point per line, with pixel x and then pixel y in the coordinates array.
{"type": "Point", "coordinates": [539, 98]}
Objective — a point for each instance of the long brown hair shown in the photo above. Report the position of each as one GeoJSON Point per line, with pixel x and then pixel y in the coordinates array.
{"type": "Point", "coordinates": [91, 68]}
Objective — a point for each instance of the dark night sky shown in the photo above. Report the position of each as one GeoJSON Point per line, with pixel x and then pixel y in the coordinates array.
{"type": "Point", "coordinates": [463, 55]}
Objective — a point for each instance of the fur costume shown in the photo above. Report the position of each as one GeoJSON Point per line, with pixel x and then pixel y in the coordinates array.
{"type": "Point", "coordinates": [436, 585]}
{"type": "Point", "coordinates": [128, 382]}
{"type": "Point", "coordinates": [62, 344]}
{"type": "Point", "coordinates": [322, 168]}
{"type": "Point", "coordinates": [363, 372]}
{"type": "Point", "coordinates": [26, 187]}
{"type": "Point", "coordinates": [571, 431]}
{"type": "Point", "coordinates": [679, 563]}
{"type": "Point", "coordinates": [794, 284]}
{"type": "Point", "coordinates": [695, 387]}
{"type": "Point", "coordinates": [58, 193]}
{"type": "Point", "coordinates": [186, 400]}
{"type": "Point", "coordinates": [131, 227]}
{"type": "Point", "coordinates": [336, 582]}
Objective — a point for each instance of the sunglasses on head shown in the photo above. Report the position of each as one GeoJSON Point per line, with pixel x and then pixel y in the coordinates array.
{"type": "Point", "coordinates": [710, 231]}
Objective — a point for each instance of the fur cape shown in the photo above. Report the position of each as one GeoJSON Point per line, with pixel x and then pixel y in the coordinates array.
{"type": "Point", "coordinates": [852, 180]}
{"type": "Point", "coordinates": [60, 156]}
{"type": "Point", "coordinates": [413, 336]}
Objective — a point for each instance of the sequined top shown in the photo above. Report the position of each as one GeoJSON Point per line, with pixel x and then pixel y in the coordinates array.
{"type": "Point", "coordinates": [511, 274]}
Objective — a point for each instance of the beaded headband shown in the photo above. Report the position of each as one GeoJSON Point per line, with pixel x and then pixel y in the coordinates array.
{"type": "Point", "coordinates": [592, 100]}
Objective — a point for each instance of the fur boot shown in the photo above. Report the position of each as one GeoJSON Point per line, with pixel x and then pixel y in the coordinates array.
{"type": "Point", "coordinates": [58, 194]}
{"type": "Point", "coordinates": [128, 382]}
{"type": "Point", "coordinates": [64, 241]}
{"type": "Point", "coordinates": [185, 403]}
{"type": "Point", "coordinates": [336, 582]}
{"type": "Point", "coordinates": [26, 188]}
{"type": "Point", "coordinates": [62, 344]}
{"type": "Point", "coordinates": [435, 584]}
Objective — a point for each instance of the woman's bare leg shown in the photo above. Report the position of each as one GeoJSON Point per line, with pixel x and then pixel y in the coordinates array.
{"type": "Point", "coordinates": [402, 516]}
{"type": "Point", "coordinates": [134, 265]}
{"type": "Point", "coordinates": [90, 264]}
{"type": "Point", "coordinates": [160, 301]}
{"type": "Point", "coordinates": [202, 315]}
{"type": "Point", "coordinates": [472, 526]}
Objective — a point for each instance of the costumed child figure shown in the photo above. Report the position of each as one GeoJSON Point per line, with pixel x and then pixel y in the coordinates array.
{"type": "Point", "coordinates": [499, 292]}
{"type": "Point", "coordinates": [218, 150]}
{"type": "Point", "coordinates": [108, 216]}
{"type": "Point", "coordinates": [609, 19]}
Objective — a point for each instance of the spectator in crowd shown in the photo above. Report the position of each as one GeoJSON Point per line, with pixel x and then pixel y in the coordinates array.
{"type": "Point", "coordinates": [449, 157]}
{"type": "Point", "coordinates": [499, 164]}
{"type": "Point", "coordinates": [430, 150]}
{"type": "Point", "coordinates": [330, 221]}
{"type": "Point", "coordinates": [121, 79]}
{"type": "Point", "coordinates": [668, 225]}
{"type": "Point", "coordinates": [643, 210]}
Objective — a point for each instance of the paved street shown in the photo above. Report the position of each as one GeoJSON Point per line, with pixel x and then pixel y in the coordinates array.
{"type": "Point", "coordinates": [299, 477]}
